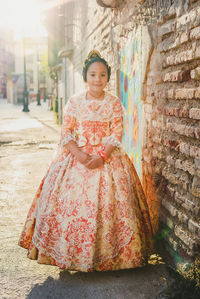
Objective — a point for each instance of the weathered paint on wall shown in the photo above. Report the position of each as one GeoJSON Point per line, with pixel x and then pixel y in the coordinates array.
{"type": "Point", "coordinates": [130, 76]}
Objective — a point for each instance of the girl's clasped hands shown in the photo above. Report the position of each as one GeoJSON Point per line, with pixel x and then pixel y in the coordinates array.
{"type": "Point", "coordinates": [89, 161]}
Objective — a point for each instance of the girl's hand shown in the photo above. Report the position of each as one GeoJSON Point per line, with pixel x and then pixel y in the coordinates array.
{"type": "Point", "coordinates": [95, 161]}
{"type": "Point", "coordinates": [82, 157]}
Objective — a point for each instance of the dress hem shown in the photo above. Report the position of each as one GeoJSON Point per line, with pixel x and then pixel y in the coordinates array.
{"type": "Point", "coordinates": [50, 260]}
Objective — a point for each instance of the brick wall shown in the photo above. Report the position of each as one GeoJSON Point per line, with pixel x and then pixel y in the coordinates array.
{"type": "Point", "coordinates": [173, 112]}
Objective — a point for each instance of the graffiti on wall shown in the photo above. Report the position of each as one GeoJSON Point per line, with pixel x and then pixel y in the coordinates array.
{"type": "Point", "coordinates": [130, 77]}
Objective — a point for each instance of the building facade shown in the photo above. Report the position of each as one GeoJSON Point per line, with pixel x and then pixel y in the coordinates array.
{"type": "Point", "coordinates": [6, 59]}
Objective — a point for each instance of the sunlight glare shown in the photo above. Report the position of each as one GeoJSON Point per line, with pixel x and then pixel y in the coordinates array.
{"type": "Point", "coordinates": [23, 16]}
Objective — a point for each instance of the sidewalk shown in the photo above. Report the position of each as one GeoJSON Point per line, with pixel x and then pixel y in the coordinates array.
{"type": "Point", "coordinates": [27, 143]}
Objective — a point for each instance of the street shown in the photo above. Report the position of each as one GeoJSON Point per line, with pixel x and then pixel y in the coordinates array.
{"type": "Point", "coordinates": [27, 144]}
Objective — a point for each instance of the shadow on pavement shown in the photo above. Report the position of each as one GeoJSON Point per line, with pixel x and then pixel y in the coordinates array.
{"type": "Point", "coordinates": [124, 284]}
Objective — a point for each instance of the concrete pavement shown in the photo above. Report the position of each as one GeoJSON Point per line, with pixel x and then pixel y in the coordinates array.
{"type": "Point", "coordinates": [27, 143]}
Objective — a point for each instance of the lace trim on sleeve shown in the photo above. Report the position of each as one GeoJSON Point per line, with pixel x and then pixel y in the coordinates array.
{"type": "Point", "coordinates": [68, 138]}
{"type": "Point", "coordinates": [112, 140]}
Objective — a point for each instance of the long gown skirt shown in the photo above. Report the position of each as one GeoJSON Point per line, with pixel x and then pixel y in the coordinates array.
{"type": "Point", "coordinates": [87, 220]}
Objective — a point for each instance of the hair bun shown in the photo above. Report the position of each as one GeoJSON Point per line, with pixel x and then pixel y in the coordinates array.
{"type": "Point", "coordinates": [93, 54]}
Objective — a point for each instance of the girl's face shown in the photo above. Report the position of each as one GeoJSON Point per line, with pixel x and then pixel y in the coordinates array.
{"type": "Point", "coordinates": [97, 77]}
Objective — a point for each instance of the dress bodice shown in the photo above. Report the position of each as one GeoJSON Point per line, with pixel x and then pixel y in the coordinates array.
{"type": "Point", "coordinates": [93, 119]}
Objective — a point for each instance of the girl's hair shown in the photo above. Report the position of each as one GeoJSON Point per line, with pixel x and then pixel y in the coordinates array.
{"type": "Point", "coordinates": [94, 56]}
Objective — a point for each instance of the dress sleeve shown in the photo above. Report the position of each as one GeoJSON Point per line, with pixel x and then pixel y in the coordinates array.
{"type": "Point", "coordinates": [116, 125]}
{"type": "Point", "coordinates": [69, 121]}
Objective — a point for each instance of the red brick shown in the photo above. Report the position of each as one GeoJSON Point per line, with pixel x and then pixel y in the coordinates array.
{"type": "Point", "coordinates": [197, 211]}
{"type": "Point", "coordinates": [169, 207]}
{"type": "Point", "coordinates": [179, 198]}
{"type": "Point", "coordinates": [197, 21]}
{"type": "Point", "coordinates": [170, 160]}
{"type": "Point", "coordinates": [184, 57]}
{"type": "Point", "coordinates": [180, 129]}
{"type": "Point", "coordinates": [183, 20]}
{"type": "Point", "coordinates": [184, 237]}
{"type": "Point", "coordinates": [197, 133]}
{"type": "Point", "coordinates": [189, 131]}
{"type": "Point", "coordinates": [171, 177]}
{"type": "Point", "coordinates": [184, 93]}
{"type": "Point", "coordinates": [166, 28]}
{"type": "Point", "coordinates": [170, 191]}
{"type": "Point", "coordinates": [174, 144]}
{"type": "Point", "coordinates": [195, 151]}
{"type": "Point", "coordinates": [168, 110]}
{"type": "Point", "coordinates": [195, 33]}
{"type": "Point", "coordinates": [149, 100]}
{"type": "Point", "coordinates": [169, 125]}
{"type": "Point", "coordinates": [188, 204]}
{"type": "Point", "coordinates": [170, 94]}
{"type": "Point", "coordinates": [175, 10]}
{"type": "Point", "coordinates": [183, 218]}
{"type": "Point", "coordinates": [193, 15]}
{"type": "Point", "coordinates": [170, 60]}
{"type": "Point", "coordinates": [194, 113]}
{"type": "Point", "coordinates": [156, 138]}
{"type": "Point", "coordinates": [186, 19]}
{"type": "Point", "coordinates": [183, 129]}
{"type": "Point", "coordinates": [183, 112]}
{"type": "Point", "coordinates": [175, 111]}
{"type": "Point", "coordinates": [195, 74]}
{"type": "Point", "coordinates": [177, 76]}
{"type": "Point", "coordinates": [194, 227]}
{"type": "Point", "coordinates": [160, 93]}
{"type": "Point", "coordinates": [197, 93]}
{"type": "Point", "coordinates": [185, 165]}
{"type": "Point", "coordinates": [197, 52]}
{"type": "Point", "coordinates": [184, 37]}
{"type": "Point", "coordinates": [158, 152]}
{"type": "Point", "coordinates": [184, 148]}
{"type": "Point", "coordinates": [195, 189]}
{"type": "Point", "coordinates": [159, 109]}
{"type": "Point", "coordinates": [148, 108]}
{"type": "Point", "coordinates": [157, 123]}
{"type": "Point", "coordinates": [177, 178]}
{"type": "Point", "coordinates": [167, 44]}
{"type": "Point", "coordinates": [197, 167]}
{"type": "Point", "coordinates": [173, 242]}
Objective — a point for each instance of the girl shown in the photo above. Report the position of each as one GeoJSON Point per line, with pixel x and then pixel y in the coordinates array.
{"type": "Point", "coordinates": [90, 212]}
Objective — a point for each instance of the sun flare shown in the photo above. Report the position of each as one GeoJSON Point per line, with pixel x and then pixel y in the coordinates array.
{"type": "Point", "coordinates": [23, 16]}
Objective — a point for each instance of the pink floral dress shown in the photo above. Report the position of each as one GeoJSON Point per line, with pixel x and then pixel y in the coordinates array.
{"type": "Point", "coordinates": [90, 219]}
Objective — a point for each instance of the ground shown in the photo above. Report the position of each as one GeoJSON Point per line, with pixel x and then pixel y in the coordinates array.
{"type": "Point", "coordinates": [27, 144]}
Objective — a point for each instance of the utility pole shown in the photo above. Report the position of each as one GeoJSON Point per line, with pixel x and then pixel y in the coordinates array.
{"type": "Point", "coordinates": [38, 73]}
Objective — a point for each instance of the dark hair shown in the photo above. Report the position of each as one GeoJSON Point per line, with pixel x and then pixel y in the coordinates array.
{"type": "Point", "coordinates": [94, 56]}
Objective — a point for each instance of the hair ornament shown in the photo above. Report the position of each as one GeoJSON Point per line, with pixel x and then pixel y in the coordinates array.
{"type": "Point", "coordinates": [93, 54]}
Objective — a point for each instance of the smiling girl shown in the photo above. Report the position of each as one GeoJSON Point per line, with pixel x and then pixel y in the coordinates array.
{"type": "Point", "coordinates": [90, 212]}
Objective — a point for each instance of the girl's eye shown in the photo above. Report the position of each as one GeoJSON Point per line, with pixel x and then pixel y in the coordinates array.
{"type": "Point", "coordinates": [93, 75]}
